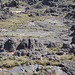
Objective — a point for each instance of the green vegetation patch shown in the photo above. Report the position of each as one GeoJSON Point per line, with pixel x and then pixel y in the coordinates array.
{"type": "Point", "coordinates": [19, 21]}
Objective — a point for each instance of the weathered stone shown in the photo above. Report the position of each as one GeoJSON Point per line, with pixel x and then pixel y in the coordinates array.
{"type": "Point", "coordinates": [72, 28]}
{"type": "Point", "coordinates": [10, 45]}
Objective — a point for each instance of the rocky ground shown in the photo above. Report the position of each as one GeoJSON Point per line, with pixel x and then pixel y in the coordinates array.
{"type": "Point", "coordinates": [37, 37]}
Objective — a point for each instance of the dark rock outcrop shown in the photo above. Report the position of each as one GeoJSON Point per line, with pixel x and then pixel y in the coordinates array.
{"type": "Point", "coordinates": [72, 28]}
{"type": "Point", "coordinates": [23, 44]}
{"type": "Point", "coordinates": [10, 45]}
{"type": "Point", "coordinates": [29, 43]}
{"type": "Point", "coordinates": [13, 3]}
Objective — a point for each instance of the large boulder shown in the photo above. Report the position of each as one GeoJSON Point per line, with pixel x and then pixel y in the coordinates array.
{"type": "Point", "coordinates": [26, 44]}
{"type": "Point", "coordinates": [23, 53]}
{"type": "Point", "coordinates": [29, 43]}
{"type": "Point", "coordinates": [23, 44]}
{"type": "Point", "coordinates": [10, 45]}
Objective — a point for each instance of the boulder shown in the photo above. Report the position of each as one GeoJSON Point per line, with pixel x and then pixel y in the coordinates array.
{"type": "Point", "coordinates": [29, 43]}
{"type": "Point", "coordinates": [23, 53]}
{"type": "Point", "coordinates": [12, 3]}
{"type": "Point", "coordinates": [23, 45]}
{"type": "Point", "coordinates": [10, 45]}
{"type": "Point", "coordinates": [26, 43]}
{"type": "Point", "coordinates": [72, 28]}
